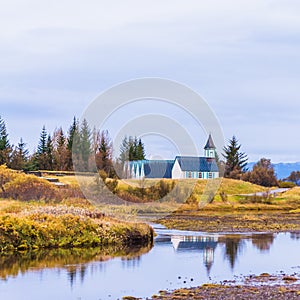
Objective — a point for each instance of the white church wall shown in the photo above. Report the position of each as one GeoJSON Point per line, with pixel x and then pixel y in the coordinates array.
{"type": "Point", "coordinates": [176, 171]}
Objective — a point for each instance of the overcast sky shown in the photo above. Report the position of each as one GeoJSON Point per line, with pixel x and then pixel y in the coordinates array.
{"type": "Point", "coordinates": [243, 57]}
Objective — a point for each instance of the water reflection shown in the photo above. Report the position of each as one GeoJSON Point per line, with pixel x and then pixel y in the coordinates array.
{"type": "Point", "coordinates": [204, 244]}
{"type": "Point", "coordinates": [295, 235]}
{"type": "Point", "coordinates": [72, 260]}
{"type": "Point", "coordinates": [263, 242]}
{"type": "Point", "coordinates": [233, 245]}
{"type": "Point", "coordinates": [178, 259]}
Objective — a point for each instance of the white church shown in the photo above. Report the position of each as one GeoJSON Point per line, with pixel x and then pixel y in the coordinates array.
{"type": "Point", "coordinates": [182, 167]}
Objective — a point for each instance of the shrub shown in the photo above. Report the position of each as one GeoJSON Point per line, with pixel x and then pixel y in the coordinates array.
{"type": "Point", "coordinates": [224, 196]}
{"type": "Point", "coordinates": [6, 175]}
{"type": "Point", "coordinates": [286, 184]}
{"type": "Point", "coordinates": [262, 174]}
{"type": "Point", "coordinates": [24, 187]}
{"type": "Point", "coordinates": [29, 187]}
{"type": "Point", "coordinates": [103, 175]}
{"type": "Point", "coordinates": [112, 185]}
{"type": "Point", "coordinates": [265, 198]}
{"type": "Point", "coordinates": [43, 230]}
{"type": "Point", "coordinates": [46, 231]}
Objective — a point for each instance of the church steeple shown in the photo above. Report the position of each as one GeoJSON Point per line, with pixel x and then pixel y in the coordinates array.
{"type": "Point", "coordinates": [210, 148]}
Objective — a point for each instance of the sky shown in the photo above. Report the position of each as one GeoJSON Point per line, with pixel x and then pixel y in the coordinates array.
{"type": "Point", "coordinates": [242, 57]}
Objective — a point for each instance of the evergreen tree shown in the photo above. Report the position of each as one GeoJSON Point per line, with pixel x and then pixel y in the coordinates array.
{"type": "Point", "coordinates": [124, 150]}
{"type": "Point", "coordinates": [73, 131]}
{"type": "Point", "coordinates": [236, 161]}
{"type": "Point", "coordinates": [49, 154]}
{"type": "Point", "coordinates": [5, 148]}
{"type": "Point", "coordinates": [42, 146]}
{"type": "Point", "coordinates": [140, 150]}
{"type": "Point", "coordinates": [84, 141]}
{"type": "Point", "coordinates": [104, 153]}
{"type": "Point", "coordinates": [60, 151]}
{"type": "Point", "coordinates": [132, 149]}
{"type": "Point", "coordinates": [20, 155]}
{"type": "Point", "coordinates": [41, 154]}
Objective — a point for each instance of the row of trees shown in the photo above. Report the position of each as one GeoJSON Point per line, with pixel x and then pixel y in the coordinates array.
{"type": "Point", "coordinates": [53, 152]}
{"type": "Point", "coordinates": [81, 145]}
{"type": "Point", "coordinates": [86, 146]}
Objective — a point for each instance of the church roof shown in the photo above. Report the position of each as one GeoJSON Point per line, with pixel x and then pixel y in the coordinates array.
{"type": "Point", "coordinates": [197, 164]}
{"type": "Point", "coordinates": [210, 143]}
{"type": "Point", "coordinates": [155, 168]}
{"type": "Point", "coordinates": [158, 168]}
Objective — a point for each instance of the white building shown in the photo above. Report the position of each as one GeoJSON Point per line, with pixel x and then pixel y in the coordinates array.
{"type": "Point", "coordinates": [181, 167]}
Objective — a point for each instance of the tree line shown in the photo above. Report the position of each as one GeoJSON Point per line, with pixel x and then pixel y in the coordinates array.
{"type": "Point", "coordinates": [87, 148]}
{"type": "Point", "coordinates": [93, 150]}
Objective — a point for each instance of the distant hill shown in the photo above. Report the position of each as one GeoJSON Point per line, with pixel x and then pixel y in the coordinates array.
{"type": "Point", "coordinates": [282, 170]}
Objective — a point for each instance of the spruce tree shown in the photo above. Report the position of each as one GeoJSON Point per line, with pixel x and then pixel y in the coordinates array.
{"type": "Point", "coordinates": [235, 160]}
{"type": "Point", "coordinates": [85, 145]}
{"type": "Point", "coordinates": [72, 133]}
{"type": "Point", "coordinates": [60, 150]}
{"type": "Point", "coordinates": [140, 151]}
{"type": "Point", "coordinates": [104, 153]}
{"type": "Point", "coordinates": [20, 155]}
{"type": "Point", "coordinates": [41, 154]}
{"type": "Point", "coordinates": [5, 148]}
{"type": "Point", "coordinates": [132, 149]}
{"type": "Point", "coordinates": [42, 146]}
{"type": "Point", "coordinates": [124, 150]}
{"type": "Point", "coordinates": [49, 154]}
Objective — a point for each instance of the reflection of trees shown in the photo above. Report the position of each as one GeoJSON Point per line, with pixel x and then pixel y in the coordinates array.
{"type": "Point", "coordinates": [263, 242]}
{"type": "Point", "coordinates": [295, 235]}
{"type": "Point", "coordinates": [131, 262]}
{"type": "Point", "coordinates": [75, 270]}
{"type": "Point", "coordinates": [233, 246]}
{"type": "Point", "coordinates": [72, 260]}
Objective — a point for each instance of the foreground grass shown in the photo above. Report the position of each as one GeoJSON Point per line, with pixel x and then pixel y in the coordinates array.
{"type": "Point", "coordinates": [27, 226]}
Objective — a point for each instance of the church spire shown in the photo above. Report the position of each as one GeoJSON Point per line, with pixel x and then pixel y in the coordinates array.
{"type": "Point", "coordinates": [210, 148]}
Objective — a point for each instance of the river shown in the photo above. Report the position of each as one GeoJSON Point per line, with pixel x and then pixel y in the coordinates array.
{"type": "Point", "coordinates": [177, 259]}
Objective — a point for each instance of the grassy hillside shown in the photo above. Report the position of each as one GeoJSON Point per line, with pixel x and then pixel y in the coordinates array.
{"type": "Point", "coordinates": [35, 214]}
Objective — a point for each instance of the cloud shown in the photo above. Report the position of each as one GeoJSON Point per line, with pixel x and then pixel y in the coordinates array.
{"type": "Point", "coordinates": [243, 58]}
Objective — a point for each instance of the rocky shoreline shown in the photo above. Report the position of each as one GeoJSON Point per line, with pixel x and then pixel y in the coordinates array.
{"type": "Point", "coordinates": [258, 287]}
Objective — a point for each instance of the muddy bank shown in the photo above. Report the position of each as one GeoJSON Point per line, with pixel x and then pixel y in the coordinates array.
{"type": "Point", "coordinates": [263, 286]}
{"type": "Point", "coordinates": [234, 222]}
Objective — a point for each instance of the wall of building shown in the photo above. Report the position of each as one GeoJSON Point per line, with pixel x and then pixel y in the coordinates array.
{"type": "Point", "coordinates": [176, 171]}
{"type": "Point", "coordinates": [200, 175]}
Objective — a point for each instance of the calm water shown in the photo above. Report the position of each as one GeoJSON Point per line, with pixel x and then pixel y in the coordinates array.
{"type": "Point", "coordinates": [178, 259]}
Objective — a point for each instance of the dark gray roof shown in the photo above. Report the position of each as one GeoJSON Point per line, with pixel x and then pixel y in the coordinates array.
{"type": "Point", "coordinates": [158, 168]}
{"type": "Point", "coordinates": [155, 168]}
{"type": "Point", "coordinates": [210, 143]}
{"type": "Point", "coordinates": [197, 164]}
{"type": "Point", "coordinates": [196, 245]}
